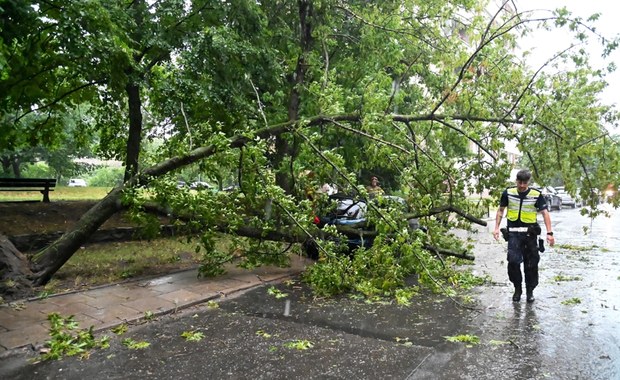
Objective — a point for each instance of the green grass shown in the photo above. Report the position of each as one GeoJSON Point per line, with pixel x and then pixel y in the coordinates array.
{"type": "Point", "coordinates": [105, 263]}
{"type": "Point", "coordinates": [60, 193]}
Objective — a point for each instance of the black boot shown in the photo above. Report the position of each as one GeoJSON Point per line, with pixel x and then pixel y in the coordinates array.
{"type": "Point", "coordinates": [516, 296]}
{"type": "Point", "coordinates": [530, 294]}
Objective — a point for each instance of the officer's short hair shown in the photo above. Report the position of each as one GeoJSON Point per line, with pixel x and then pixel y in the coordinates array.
{"type": "Point", "coordinates": [524, 175]}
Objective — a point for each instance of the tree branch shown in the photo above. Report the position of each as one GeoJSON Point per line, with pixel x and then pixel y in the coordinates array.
{"type": "Point", "coordinates": [57, 100]}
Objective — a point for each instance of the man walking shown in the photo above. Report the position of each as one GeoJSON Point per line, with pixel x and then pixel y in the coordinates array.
{"type": "Point", "coordinates": [523, 203]}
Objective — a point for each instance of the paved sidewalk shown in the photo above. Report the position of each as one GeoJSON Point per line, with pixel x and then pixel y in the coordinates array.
{"type": "Point", "coordinates": [25, 323]}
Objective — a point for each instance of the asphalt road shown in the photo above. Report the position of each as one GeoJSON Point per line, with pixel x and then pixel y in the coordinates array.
{"type": "Point", "coordinates": [569, 332]}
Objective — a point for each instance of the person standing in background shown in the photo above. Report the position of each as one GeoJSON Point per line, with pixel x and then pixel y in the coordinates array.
{"type": "Point", "coordinates": [374, 189]}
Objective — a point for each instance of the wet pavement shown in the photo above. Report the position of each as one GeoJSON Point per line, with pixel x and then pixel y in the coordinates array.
{"type": "Point", "coordinates": [24, 324]}
{"type": "Point", "coordinates": [572, 330]}
{"type": "Point", "coordinates": [569, 332]}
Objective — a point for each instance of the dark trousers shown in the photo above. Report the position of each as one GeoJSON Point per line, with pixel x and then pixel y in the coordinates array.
{"type": "Point", "coordinates": [523, 248]}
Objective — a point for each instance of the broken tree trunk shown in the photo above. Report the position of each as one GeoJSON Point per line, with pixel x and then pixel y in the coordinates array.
{"type": "Point", "coordinates": [48, 262]}
{"type": "Point", "coordinates": [14, 269]}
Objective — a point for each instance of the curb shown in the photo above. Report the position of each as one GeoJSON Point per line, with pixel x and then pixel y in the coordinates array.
{"type": "Point", "coordinates": [233, 292]}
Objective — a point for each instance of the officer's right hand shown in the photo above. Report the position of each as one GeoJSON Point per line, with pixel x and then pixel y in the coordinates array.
{"type": "Point", "coordinates": [496, 234]}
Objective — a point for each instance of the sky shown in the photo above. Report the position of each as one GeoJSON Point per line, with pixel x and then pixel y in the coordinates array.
{"type": "Point", "coordinates": [545, 45]}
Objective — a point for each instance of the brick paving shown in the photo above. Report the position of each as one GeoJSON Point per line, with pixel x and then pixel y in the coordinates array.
{"type": "Point", "coordinates": [24, 323]}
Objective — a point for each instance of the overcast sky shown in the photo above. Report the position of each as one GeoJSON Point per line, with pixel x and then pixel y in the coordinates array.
{"type": "Point", "coordinates": [545, 44]}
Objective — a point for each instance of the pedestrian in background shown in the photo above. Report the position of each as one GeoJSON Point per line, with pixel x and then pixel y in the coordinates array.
{"type": "Point", "coordinates": [374, 189]}
{"type": "Point", "coordinates": [523, 204]}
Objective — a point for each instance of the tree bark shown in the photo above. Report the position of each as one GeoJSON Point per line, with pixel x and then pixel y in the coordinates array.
{"type": "Point", "coordinates": [17, 172]}
{"type": "Point", "coordinates": [56, 255]}
{"type": "Point", "coordinates": [285, 149]}
{"type": "Point", "coordinates": [16, 273]}
{"type": "Point", "coordinates": [6, 165]}
{"type": "Point", "coordinates": [135, 130]}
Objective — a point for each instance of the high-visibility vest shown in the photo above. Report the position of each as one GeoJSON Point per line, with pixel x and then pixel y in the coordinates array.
{"type": "Point", "coordinates": [524, 209]}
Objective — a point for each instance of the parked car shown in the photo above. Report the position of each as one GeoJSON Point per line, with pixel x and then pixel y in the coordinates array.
{"type": "Point", "coordinates": [351, 212]}
{"type": "Point", "coordinates": [199, 185]}
{"type": "Point", "coordinates": [567, 200]}
{"type": "Point", "coordinates": [554, 201]}
{"type": "Point", "coordinates": [77, 182]}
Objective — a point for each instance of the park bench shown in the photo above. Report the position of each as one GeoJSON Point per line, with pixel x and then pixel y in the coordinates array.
{"type": "Point", "coordinates": [44, 185]}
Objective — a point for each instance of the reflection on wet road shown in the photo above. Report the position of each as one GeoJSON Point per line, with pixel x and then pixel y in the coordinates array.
{"type": "Point", "coordinates": [572, 329]}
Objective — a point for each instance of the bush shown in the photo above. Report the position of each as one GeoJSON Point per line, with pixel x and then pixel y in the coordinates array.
{"type": "Point", "coordinates": [37, 170]}
{"type": "Point", "coordinates": [106, 177]}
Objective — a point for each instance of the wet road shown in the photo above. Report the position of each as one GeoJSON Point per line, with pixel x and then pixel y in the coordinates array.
{"type": "Point", "coordinates": [569, 332]}
{"type": "Point", "coordinates": [572, 330]}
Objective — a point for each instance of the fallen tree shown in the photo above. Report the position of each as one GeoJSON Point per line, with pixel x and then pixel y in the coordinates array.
{"type": "Point", "coordinates": [43, 265]}
{"type": "Point", "coordinates": [428, 111]}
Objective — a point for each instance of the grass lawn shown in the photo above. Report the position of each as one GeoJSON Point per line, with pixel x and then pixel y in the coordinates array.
{"type": "Point", "coordinates": [60, 193]}
{"type": "Point", "coordinates": [98, 264]}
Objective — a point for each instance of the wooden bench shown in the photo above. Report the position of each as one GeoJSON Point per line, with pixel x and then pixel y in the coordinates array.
{"type": "Point", "coordinates": [44, 185]}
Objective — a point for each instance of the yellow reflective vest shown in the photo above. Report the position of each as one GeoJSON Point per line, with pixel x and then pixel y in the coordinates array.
{"type": "Point", "coordinates": [522, 209]}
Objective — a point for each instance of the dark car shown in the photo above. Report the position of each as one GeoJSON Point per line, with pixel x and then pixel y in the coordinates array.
{"type": "Point", "coordinates": [351, 212]}
{"type": "Point", "coordinates": [554, 201]}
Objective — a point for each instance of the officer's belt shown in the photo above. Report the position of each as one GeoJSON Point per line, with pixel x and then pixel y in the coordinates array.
{"type": "Point", "coordinates": [518, 229]}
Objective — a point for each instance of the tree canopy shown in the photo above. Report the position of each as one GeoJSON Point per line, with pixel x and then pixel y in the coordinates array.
{"type": "Point", "coordinates": [284, 96]}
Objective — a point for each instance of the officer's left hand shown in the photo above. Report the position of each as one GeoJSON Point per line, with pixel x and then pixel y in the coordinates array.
{"type": "Point", "coordinates": [550, 240]}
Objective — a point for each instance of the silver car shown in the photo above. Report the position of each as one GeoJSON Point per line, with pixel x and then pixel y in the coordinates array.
{"type": "Point", "coordinates": [567, 200]}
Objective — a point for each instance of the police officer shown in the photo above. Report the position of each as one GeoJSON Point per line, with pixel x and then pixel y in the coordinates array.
{"type": "Point", "coordinates": [523, 204]}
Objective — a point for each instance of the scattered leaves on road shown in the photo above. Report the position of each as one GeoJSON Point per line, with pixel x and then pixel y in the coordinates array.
{"type": "Point", "coordinates": [193, 336]}
{"type": "Point", "coordinates": [120, 329]}
{"type": "Point", "coordinates": [273, 291]}
{"type": "Point", "coordinates": [561, 277]}
{"type": "Point", "coordinates": [471, 340]}
{"type": "Point", "coordinates": [133, 345]}
{"type": "Point", "coordinates": [263, 334]}
{"type": "Point", "coordinates": [66, 340]}
{"type": "Point", "coordinates": [299, 344]}
{"type": "Point", "coordinates": [404, 341]}
{"type": "Point", "coordinates": [571, 301]}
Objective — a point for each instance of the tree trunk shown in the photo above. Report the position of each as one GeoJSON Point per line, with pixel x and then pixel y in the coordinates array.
{"type": "Point", "coordinates": [135, 130]}
{"type": "Point", "coordinates": [16, 167]}
{"type": "Point", "coordinates": [284, 149]}
{"type": "Point", "coordinates": [56, 255]}
{"type": "Point", "coordinates": [14, 269]}
{"type": "Point", "coordinates": [134, 139]}
{"type": "Point", "coordinates": [6, 165]}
